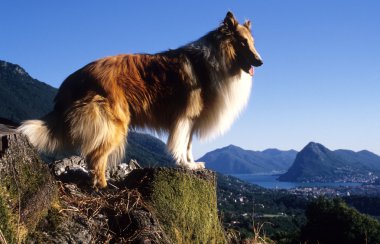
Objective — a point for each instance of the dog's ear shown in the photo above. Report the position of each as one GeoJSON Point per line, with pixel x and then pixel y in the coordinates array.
{"type": "Point", "coordinates": [247, 24]}
{"type": "Point", "coordinates": [230, 21]}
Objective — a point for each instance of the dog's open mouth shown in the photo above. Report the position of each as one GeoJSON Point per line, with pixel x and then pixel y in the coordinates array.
{"type": "Point", "coordinates": [251, 71]}
{"type": "Point", "coordinates": [249, 66]}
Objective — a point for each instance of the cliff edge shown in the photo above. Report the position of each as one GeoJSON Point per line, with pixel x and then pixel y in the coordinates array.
{"type": "Point", "coordinates": [160, 205]}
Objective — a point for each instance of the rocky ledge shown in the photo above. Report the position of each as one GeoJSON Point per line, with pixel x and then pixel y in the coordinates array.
{"type": "Point", "coordinates": [54, 203]}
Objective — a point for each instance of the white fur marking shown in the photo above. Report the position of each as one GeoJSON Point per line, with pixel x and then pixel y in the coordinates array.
{"type": "Point", "coordinates": [39, 135]}
{"type": "Point", "coordinates": [178, 140]}
{"type": "Point", "coordinates": [178, 144]}
{"type": "Point", "coordinates": [231, 100]}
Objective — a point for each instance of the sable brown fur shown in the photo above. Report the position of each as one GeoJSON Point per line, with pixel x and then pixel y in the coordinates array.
{"type": "Point", "coordinates": [186, 91]}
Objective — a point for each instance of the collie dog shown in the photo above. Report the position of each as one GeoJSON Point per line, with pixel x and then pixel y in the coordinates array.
{"type": "Point", "coordinates": [197, 89]}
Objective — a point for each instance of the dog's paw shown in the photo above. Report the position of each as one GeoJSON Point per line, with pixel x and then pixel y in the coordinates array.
{"type": "Point", "coordinates": [195, 165]}
{"type": "Point", "coordinates": [201, 165]}
{"type": "Point", "coordinates": [98, 181]}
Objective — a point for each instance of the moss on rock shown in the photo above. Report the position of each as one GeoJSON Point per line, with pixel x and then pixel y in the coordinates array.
{"type": "Point", "coordinates": [184, 201]}
{"type": "Point", "coordinates": [8, 229]}
{"type": "Point", "coordinates": [26, 187]}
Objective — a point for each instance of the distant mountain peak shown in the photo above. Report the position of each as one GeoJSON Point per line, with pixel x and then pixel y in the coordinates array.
{"type": "Point", "coordinates": [12, 69]}
{"type": "Point", "coordinates": [368, 153]}
{"type": "Point", "coordinates": [315, 147]}
{"type": "Point", "coordinates": [231, 146]}
{"type": "Point", "coordinates": [313, 144]}
{"type": "Point", "coordinates": [23, 97]}
{"type": "Point", "coordinates": [315, 162]}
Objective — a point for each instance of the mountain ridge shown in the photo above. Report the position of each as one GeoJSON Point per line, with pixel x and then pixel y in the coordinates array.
{"type": "Point", "coordinates": [23, 97]}
{"type": "Point", "coordinates": [317, 163]}
{"type": "Point", "coordinates": [236, 160]}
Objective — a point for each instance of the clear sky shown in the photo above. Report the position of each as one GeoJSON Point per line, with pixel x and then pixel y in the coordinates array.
{"type": "Point", "coordinates": [321, 75]}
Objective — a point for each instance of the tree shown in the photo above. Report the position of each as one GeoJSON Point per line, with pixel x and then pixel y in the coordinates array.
{"type": "Point", "coordinates": [332, 221]}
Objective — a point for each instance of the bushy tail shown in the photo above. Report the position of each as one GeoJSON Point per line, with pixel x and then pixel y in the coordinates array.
{"type": "Point", "coordinates": [45, 134]}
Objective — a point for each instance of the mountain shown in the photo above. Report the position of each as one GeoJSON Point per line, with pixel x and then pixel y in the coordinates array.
{"type": "Point", "coordinates": [235, 160]}
{"type": "Point", "coordinates": [316, 163]}
{"type": "Point", "coordinates": [23, 97]}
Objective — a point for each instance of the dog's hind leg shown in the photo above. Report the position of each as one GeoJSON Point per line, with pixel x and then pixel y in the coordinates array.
{"type": "Point", "coordinates": [97, 163]}
{"type": "Point", "coordinates": [110, 151]}
{"type": "Point", "coordinates": [99, 130]}
{"type": "Point", "coordinates": [179, 144]}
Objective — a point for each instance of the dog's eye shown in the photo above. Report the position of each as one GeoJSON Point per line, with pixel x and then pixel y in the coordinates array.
{"type": "Point", "coordinates": [244, 42]}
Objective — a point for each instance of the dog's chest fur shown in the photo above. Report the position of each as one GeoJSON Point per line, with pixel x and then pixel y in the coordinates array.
{"type": "Point", "coordinates": [231, 97]}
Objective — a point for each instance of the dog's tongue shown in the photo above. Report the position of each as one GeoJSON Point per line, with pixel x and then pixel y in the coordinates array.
{"type": "Point", "coordinates": [251, 71]}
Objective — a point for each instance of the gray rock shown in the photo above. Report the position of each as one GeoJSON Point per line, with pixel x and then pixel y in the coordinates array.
{"type": "Point", "coordinates": [123, 169]}
{"type": "Point", "coordinates": [74, 169]}
{"type": "Point", "coordinates": [65, 165]}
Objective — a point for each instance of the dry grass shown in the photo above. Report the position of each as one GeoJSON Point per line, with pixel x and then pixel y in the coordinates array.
{"type": "Point", "coordinates": [2, 238]}
{"type": "Point", "coordinates": [115, 204]}
{"type": "Point", "coordinates": [92, 204]}
{"type": "Point", "coordinates": [259, 236]}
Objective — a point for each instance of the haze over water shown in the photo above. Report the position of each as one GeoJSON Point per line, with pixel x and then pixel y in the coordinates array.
{"type": "Point", "coordinates": [271, 182]}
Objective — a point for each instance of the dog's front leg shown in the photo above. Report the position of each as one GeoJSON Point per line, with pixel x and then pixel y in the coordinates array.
{"type": "Point", "coordinates": [179, 144]}
{"type": "Point", "coordinates": [189, 152]}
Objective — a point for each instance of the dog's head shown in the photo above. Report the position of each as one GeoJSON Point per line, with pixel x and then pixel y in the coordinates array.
{"type": "Point", "coordinates": [243, 43]}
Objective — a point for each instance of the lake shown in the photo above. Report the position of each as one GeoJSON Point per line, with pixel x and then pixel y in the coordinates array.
{"type": "Point", "coordinates": [271, 182]}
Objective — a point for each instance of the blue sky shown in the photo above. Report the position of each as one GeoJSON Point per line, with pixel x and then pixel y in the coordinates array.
{"type": "Point", "coordinates": [321, 75]}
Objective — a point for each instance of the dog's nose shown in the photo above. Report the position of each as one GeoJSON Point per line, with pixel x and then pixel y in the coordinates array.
{"type": "Point", "coordinates": [258, 62]}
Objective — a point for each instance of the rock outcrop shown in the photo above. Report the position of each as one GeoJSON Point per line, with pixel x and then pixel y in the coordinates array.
{"type": "Point", "coordinates": [55, 204]}
{"type": "Point", "coordinates": [184, 201]}
{"type": "Point", "coordinates": [27, 189]}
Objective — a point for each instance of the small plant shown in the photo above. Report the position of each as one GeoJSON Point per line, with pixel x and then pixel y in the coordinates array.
{"type": "Point", "coordinates": [259, 237]}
